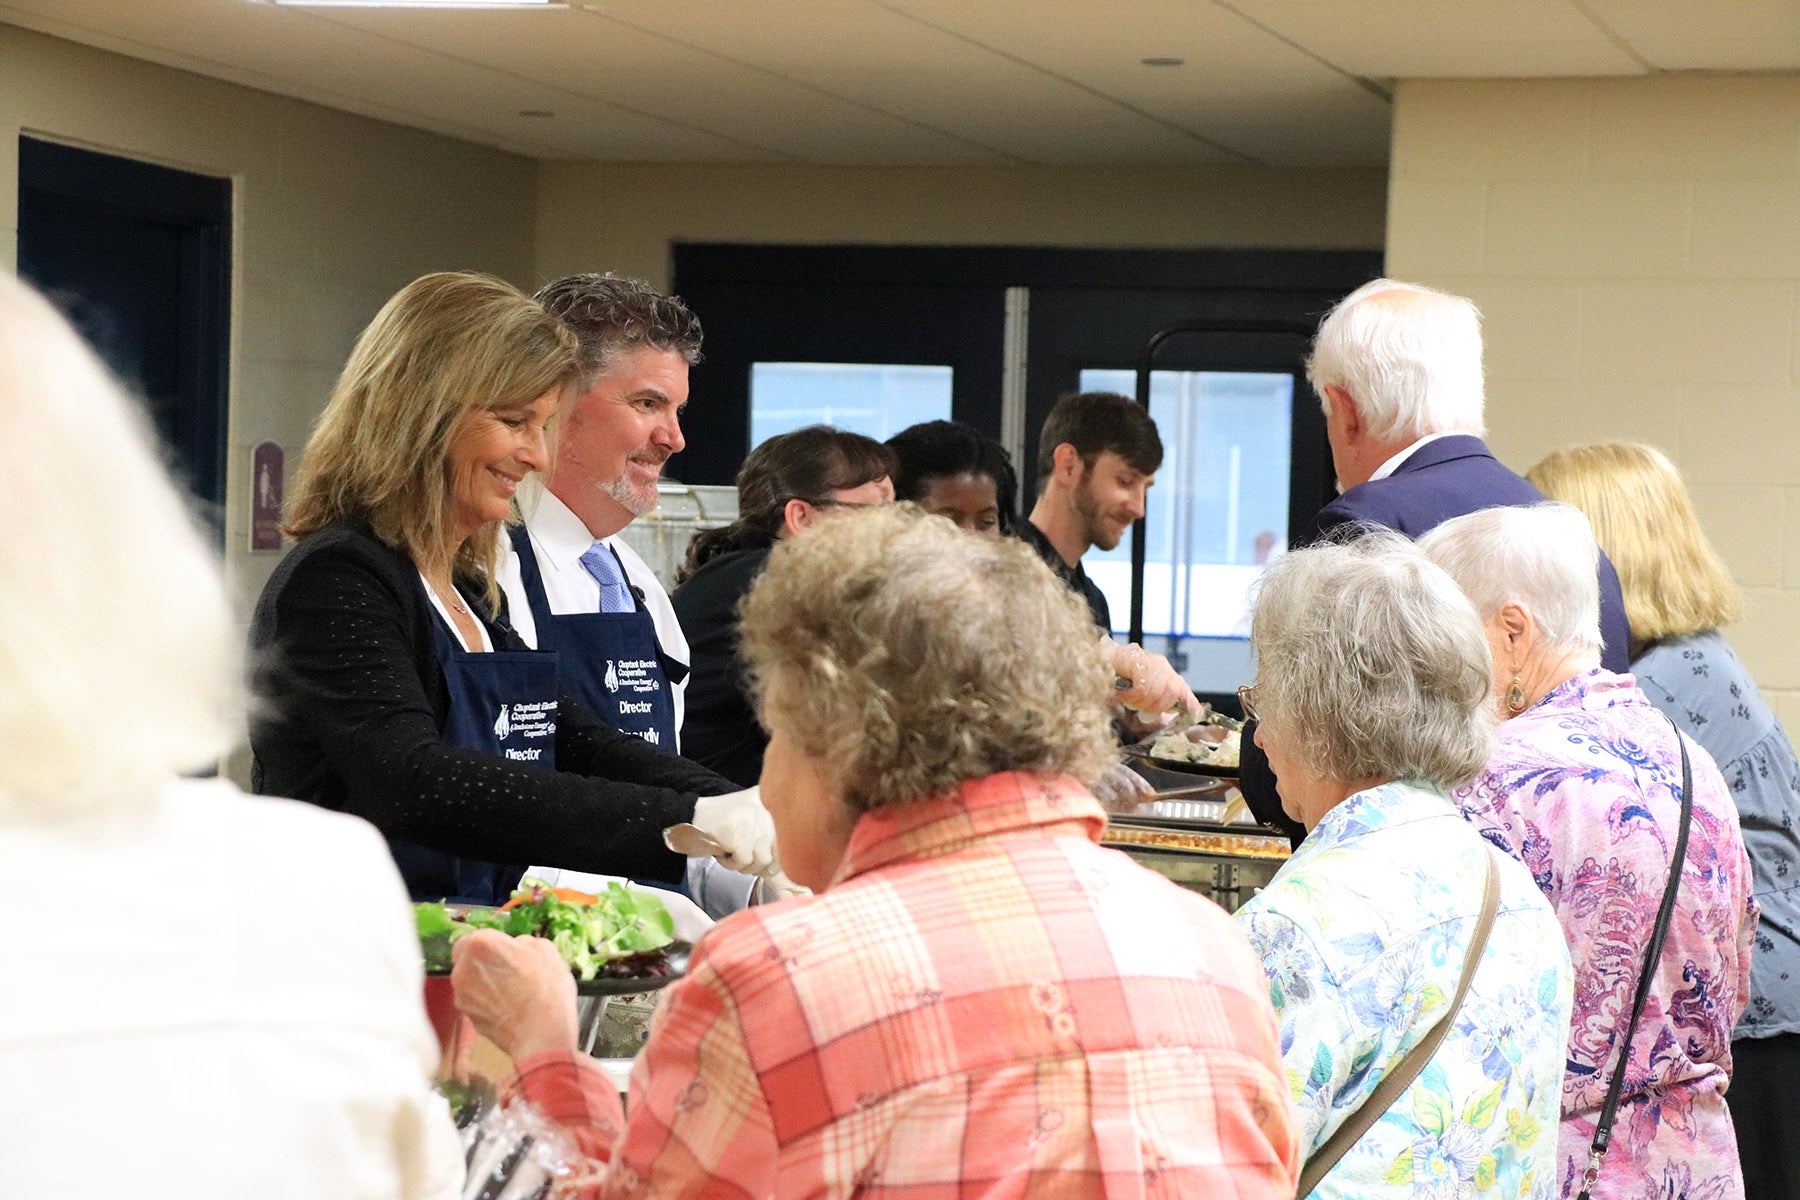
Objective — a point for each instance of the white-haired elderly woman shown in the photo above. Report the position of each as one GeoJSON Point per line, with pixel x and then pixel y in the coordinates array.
{"type": "Point", "coordinates": [173, 1024]}
{"type": "Point", "coordinates": [1584, 788]}
{"type": "Point", "coordinates": [1372, 692]}
{"type": "Point", "coordinates": [979, 1000]}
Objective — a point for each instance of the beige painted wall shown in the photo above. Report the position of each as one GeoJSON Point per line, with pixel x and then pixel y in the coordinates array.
{"type": "Point", "coordinates": [333, 214]}
{"type": "Point", "coordinates": [1635, 245]}
{"type": "Point", "coordinates": [601, 216]}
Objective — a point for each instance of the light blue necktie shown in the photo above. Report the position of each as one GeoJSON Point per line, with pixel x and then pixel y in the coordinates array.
{"type": "Point", "coordinates": [600, 563]}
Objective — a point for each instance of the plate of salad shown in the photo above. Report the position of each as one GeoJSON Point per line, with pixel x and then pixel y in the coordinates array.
{"type": "Point", "coordinates": [618, 942]}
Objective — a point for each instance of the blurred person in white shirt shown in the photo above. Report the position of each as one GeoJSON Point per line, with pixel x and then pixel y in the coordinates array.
{"type": "Point", "coordinates": [193, 1026]}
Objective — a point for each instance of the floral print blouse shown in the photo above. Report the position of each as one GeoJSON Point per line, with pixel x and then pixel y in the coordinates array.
{"type": "Point", "coordinates": [1701, 683]}
{"type": "Point", "coordinates": [1362, 934]}
{"type": "Point", "coordinates": [1583, 788]}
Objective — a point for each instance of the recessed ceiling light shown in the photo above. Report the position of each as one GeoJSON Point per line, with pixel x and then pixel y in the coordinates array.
{"type": "Point", "coordinates": [542, 4]}
{"type": "Point", "coordinates": [1162, 61]}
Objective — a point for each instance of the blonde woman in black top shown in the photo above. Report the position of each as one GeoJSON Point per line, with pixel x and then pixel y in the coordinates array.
{"type": "Point", "coordinates": [392, 685]}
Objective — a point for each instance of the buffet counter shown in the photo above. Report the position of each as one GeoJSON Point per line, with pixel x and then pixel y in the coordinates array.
{"type": "Point", "coordinates": [1197, 832]}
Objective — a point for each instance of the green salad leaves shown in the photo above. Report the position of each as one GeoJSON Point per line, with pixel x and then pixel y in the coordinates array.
{"type": "Point", "coordinates": [587, 934]}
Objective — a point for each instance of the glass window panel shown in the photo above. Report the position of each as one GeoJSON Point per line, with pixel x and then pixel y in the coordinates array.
{"type": "Point", "coordinates": [874, 399]}
{"type": "Point", "coordinates": [1217, 514]}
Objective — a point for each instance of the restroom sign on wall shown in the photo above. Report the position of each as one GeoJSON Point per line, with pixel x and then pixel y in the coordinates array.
{"type": "Point", "coordinates": [265, 497]}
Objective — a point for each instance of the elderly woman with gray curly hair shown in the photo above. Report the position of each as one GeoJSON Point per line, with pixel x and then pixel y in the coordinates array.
{"type": "Point", "coordinates": [979, 1000]}
{"type": "Point", "coordinates": [1420, 978]}
{"type": "Point", "coordinates": [1586, 787]}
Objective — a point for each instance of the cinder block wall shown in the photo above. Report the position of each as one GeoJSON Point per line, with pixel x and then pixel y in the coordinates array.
{"type": "Point", "coordinates": [1635, 246]}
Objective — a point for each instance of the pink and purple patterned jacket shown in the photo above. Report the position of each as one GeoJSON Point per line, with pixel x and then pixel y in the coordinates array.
{"type": "Point", "coordinates": [1584, 789]}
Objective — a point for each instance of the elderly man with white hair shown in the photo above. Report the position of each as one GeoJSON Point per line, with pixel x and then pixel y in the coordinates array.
{"type": "Point", "coordinates": [1397, 369]}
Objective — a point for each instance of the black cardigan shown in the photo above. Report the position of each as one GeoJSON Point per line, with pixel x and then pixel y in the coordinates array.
{"type": "Point", "coordinates": [720, 727]}
{"type": "Point", "coordinates": [351, 703]}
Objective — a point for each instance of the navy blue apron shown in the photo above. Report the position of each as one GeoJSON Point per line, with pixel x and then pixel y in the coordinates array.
{"type": "Point", "coordinates": [612, 660]}
{"type": "Point", "coordinates": [502, 703]}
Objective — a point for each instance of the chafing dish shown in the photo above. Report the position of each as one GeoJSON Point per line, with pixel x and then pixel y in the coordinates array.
{"type": "Point", "coordinates": [1197, 832]}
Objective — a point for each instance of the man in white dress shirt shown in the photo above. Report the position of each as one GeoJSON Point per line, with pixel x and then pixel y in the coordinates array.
{"type": "Point", "coordinates": [571, 582]}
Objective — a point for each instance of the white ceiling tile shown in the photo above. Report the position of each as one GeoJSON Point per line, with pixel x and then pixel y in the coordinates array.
{"type": "Point", "coordinates": [1719, 54]}
{"type": "Point", "coordinates": [1448, 38]}
{"type": "Point", "coordinates": [305, 53]}
{"type": "Point", "coordinates": [1719, 20]}
{"type": "Point", "coordinates": [586, 53]}
{"type": "Point", "coordinates": [919, 81]}
{"type": "Point", "coordinates": [875, 56]}
{"type": "Point", "coordinates": [1238, 86]}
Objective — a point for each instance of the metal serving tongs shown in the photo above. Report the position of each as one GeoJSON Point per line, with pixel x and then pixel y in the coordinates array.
{"type": "Point", "coordinates": [695, 842]}
{"type": "Point", "coordinates": [1183, 718]}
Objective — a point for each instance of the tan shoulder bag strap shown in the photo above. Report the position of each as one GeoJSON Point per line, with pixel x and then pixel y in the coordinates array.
{"type": "Point", "coordinates": [1401, 1077]}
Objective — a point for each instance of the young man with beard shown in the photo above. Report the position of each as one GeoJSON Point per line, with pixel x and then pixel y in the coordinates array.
{"type": "Point", "coordinates": [1098, 456]}
{"type": "Point", "coordinates": [572, 584]}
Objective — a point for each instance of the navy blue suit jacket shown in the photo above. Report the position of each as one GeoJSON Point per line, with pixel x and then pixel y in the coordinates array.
{"type": "Point", "coordinates": [1450, 477]}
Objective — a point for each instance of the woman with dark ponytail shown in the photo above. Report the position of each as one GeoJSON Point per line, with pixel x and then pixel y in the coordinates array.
{"type": "Point", "coordinates": [783, 487]}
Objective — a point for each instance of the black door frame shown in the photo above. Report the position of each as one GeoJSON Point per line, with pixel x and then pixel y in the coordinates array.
{"type": "Point", "coordinates": [811, 297]}
{"type": "Point", "coordinates": [199, 207]}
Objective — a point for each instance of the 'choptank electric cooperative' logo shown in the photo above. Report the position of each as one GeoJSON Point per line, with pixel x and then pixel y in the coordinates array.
{"type": "Point", "coordinates": [525, 728]}
{"type": "Point", "coordinates": [612, 676]}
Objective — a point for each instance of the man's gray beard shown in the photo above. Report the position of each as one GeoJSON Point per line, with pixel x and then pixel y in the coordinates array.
{"type": "Point", "coordinates": [632, 499]}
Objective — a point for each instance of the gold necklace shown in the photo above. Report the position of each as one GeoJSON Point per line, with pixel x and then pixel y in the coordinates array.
{"type": "Point", "coordinates": [451, 597]}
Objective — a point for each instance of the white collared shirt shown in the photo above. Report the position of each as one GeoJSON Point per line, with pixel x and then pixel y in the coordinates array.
{"type": "Point", "coordinates": [1381, 472]}
{"type": "Point", "coordinates": [560, 538]}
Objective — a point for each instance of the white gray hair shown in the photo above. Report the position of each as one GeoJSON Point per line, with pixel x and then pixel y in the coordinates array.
{"type": "Point", "coordinates": [1371, 663]}
{"type": "Point", "coordinates": [1409, 356]}
{"type": "Point", "coordinates": [119, 660]}
{"type": "Point", "coordinates": [1540, 556]}
{"type": "Point", "coordinates": [908, 657]}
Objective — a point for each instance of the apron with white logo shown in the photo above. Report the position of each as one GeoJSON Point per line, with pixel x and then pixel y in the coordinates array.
{"type": "Point", "coordinates": [612, 660]}
{"type": "Point", "coordinates": [502, 703]}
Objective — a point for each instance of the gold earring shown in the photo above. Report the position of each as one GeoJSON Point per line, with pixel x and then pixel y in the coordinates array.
{"type": "Point", "coordinates": [1515, 697]}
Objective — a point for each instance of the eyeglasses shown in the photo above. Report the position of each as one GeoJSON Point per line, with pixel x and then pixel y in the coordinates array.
{"type": "Point", "coordinates": [1247, 698]}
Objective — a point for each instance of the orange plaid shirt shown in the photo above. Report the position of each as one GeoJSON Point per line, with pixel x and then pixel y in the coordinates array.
{"type": "Point", "coordinates": [984, 1003]}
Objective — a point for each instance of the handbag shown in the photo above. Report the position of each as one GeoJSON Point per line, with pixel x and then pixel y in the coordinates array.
{"type": "Point", "coordinates": [1610, 1109]}
{"type": "Point", "coordinates": [1401, 1077]}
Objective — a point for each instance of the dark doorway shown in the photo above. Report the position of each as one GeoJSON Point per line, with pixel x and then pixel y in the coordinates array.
{"type": "Point", "coordinates": [1246, 460]}
{"type": "Point", "coordinates": [139, 258]}
{"type": "Point", "coordinates": [770, 305]}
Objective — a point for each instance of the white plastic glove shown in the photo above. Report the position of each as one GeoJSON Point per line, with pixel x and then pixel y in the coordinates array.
{"type": "Point", "coordinates": [1122, 789]}
{"type": "Point", "coordinates": [1155, 688]}
{"type": "Point", "coordinates": [777, 886]}
{"type": "Point", "coordinates": [741, 825]}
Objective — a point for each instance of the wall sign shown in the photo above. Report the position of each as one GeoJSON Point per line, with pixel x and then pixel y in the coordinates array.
{"type": "Point", "coordinates": [266, 483]}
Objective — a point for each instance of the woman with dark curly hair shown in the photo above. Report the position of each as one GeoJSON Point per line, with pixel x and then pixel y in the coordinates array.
{"type": "Point", "coordinates": [953, 471]}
